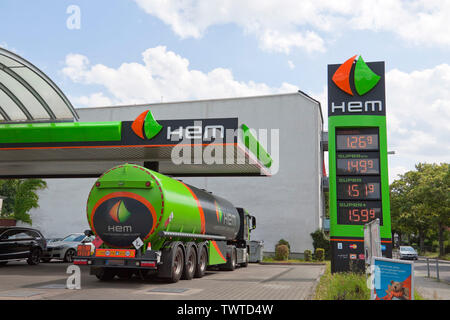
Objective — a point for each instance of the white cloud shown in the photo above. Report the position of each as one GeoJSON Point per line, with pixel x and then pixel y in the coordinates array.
{"type": "Point", "coordinates": [281, 26]}
{"type": "Point", "coordinates": [97, 99]}
{"type": "Point", "coordinates": [291, 65]}
{"type": "Point", "coordinates": [418, 114]}
{"type": "Point", "coordinates": [164, 74]}
{"type": "Point", "coordinates": [4, 45]}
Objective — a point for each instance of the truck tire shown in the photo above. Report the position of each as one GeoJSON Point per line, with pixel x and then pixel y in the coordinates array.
{"type": "Point", "coordinates": [202, 262]}
{"type": "Point", "coordinates": [105, 274]}
{"type": "Point", "coordinates": [190, 264]}
{"type": "Point", "coordinates": [177, 264]}
{"type": "Point", "coordinates": [231, 261]}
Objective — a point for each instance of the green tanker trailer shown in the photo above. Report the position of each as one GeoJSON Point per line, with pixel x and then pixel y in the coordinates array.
{"type": "Point", "coordinates": [145, 221]}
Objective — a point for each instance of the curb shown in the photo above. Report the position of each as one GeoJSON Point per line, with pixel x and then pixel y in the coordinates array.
{"type": "Point", "coordinates": [313, 288]}
{"type": "Point", "coordinates": [293, 263]}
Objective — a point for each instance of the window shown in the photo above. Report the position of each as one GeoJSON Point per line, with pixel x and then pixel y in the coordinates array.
{"type": "Point", "coordinates": [15, 235]}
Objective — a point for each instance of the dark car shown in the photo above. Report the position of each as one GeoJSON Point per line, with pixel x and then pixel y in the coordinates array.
{"type": "Point", "coordinates": [18, 243]}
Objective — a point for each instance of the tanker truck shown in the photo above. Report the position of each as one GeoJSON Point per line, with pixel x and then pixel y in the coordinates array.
{"type": "Point", "coordinates": [145, 222]}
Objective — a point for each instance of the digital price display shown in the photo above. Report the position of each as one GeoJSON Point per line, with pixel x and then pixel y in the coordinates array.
{"type": "Point", "coordinates": [359, 213]}
{"type": "Point", "coordinates": [357, 139]}
{"type": "Point", "coordinates": [357, 164]}
{"type": "Point", "coordinates": [358, 189]}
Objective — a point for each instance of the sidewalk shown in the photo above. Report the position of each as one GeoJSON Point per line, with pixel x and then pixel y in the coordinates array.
{"type": "Point", "coordinates": [431, 289]}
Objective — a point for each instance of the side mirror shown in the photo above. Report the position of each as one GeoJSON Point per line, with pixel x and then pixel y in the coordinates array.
{"type": "Point", "coordinates": [253, 223]}
{"type": "Point", "coordinates": [88, 233]}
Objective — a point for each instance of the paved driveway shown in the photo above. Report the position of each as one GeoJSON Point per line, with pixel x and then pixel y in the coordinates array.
{"type": "Point", "coordinates": [272, 282]}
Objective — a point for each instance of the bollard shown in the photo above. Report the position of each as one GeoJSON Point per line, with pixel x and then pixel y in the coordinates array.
{"type": "Point", "coordinates": [437, 269]}
{"type": "Point", "coordinates": [428, 267]}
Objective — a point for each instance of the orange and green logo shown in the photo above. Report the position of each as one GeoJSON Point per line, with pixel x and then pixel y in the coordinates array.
{"type": "Point", "coordinates": [364, 78]}
{"type": "Point", "coordinates": [145, 126]}
{"type": "Point", "coordinates": [219, 213]}
{"type": "Point", "coordinates": [119, 213]}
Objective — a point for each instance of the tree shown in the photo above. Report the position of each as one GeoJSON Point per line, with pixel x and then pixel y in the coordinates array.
{"type": "Point", "coordinates": [420, 202]}
{"type": "Point", "coordinates": [434, 190]}
{"type": "Point", "coordinates": [21, 197]}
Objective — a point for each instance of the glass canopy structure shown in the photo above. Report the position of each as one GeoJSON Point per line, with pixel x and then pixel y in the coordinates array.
{"type": "Point", "coordinates": [28, 95]}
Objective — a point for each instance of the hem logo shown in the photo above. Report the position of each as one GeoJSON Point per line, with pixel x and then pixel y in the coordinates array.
{"type": "Point", "coordinates": [364, 78]}
{"type": "Point", "coordinates": [145, 126]}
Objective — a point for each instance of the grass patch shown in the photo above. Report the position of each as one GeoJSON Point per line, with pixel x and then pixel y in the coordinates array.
{"type": "Point", "coordinates": [345, 286]}
{"type": "Point", "coordinates": [342, 286]}
{"type": "Point", "coordinates": [435, 255]}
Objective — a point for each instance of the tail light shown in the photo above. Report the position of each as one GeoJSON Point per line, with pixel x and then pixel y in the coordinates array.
{"type": "Point", "coordinates": [80, 262]}
{"type": "Point", "coordinates": [150, 264]}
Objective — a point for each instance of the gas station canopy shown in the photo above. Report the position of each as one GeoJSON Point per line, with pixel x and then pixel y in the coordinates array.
{"type": "Point", "coordinates": [40, 136]}
{"type": "Point", "coordinates": [27, 94]}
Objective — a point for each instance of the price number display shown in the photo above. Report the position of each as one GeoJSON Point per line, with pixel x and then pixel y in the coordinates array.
{"type": "Point", "coordinates": [358, 166]}
{"type": "Point", "coordinates": [358, 139]}
{"type": "Point", "coordinates": [359, 213]}
{"type": "Point", "coordinates": [358, 189]}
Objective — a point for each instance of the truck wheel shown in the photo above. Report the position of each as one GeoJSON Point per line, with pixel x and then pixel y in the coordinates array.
{"type": "Point", "coordinates": [202, 262]}
{"type": "Point", "coordinates": [177, 265]}
{"type": "Point", "coordinates": [105, 274]}
{"type": "Point", "coordinates": [231, 261]}
{"type": "Point", "coordinates": [191, 264]}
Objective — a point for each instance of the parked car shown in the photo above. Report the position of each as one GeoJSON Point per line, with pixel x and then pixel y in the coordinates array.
{"type": "Point", "coordinates": [407, 252]}
{"type": "Point", "coordinates": [66, 248]}
{"type": "Point", "coordinates": [17, 243]}
{"type": "Point", "coordinates": [49, 240]}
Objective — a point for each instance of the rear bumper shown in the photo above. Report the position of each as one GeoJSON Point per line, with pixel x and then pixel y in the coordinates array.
{"type": "Point", "coordinates": [149, 261]}
{"type": "Point", "coordinates": [403, 257]}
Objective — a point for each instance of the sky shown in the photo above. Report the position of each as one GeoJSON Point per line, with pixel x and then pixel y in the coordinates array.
{"type": "Point", "coordinates": [145, 51]}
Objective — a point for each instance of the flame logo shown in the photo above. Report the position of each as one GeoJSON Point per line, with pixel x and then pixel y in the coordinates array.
{"type": "Point", "coordinates": [365, 79]}
{"type": "Point", "coordinates": [119, 213]}
{"type": "Point", "coordinates": [145, 126]}
{"type": "Point", "coordinates": [219, 213]}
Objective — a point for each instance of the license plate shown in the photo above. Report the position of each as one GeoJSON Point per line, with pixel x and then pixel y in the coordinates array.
{"type": "Point", "coordinates": [115, 262]}
{"type": "Point", "coordinates": [83, 250]}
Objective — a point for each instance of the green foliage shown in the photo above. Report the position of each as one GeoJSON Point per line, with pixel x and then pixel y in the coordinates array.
{"type": "Point", "coordinates": [308, 255]}
{"type": "Point", "coordinates": [320, 240]}
{"type": "Point", "coordinates": [21, 197]}
{"type": "Point", "coordinates": [285, 242]}
{"type": "Point", "coordinates": [319, 254]}
{"type": "Point", "coordinates": [281, 252]}
{"type": "Point", "coordinates": [342, 286]}
{"type": "Point", "coordinates": [420, 203]}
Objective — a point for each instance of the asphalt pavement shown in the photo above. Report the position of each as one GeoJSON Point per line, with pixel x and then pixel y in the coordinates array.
{"type": "Point", "coordinates": [256, 282]}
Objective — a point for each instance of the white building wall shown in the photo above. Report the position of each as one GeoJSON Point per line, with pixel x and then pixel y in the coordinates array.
{"type": "Point", "coordinates": [287, 205]}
